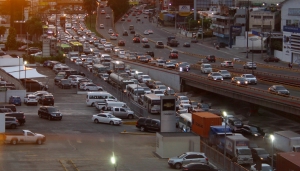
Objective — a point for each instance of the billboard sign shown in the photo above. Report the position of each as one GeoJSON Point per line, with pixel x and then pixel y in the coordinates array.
{"type": "Point", "coordinates": [168, 114]}
{"type": "Point", "coordinates": [184, 8]}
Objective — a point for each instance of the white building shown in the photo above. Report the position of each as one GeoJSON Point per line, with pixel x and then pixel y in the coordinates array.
{"type": "Point", "coordinates": [290, 26]}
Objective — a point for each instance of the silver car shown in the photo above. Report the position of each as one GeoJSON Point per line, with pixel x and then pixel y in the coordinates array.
{"type": "Point", "coordinates": [215, 76]}
{"type": "Point", "coordinates": [186, 158]}
{"type": "Point", "coordinates": [225, 73]}
{"type": "Point", "coordinates": [250, 78]}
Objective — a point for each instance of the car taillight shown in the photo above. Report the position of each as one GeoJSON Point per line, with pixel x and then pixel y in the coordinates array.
{"type": "Point", "coordinates": [185, 169]}
{"type": "Point", "coordinates": [206, 160]}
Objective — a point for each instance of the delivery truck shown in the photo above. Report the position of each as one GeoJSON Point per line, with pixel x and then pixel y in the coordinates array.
{"type": "Point", "coordinates": [217, 135]}
{"type": "Point", "coordinates": [237, 146]}
{"type": "Point", "coordinates": [202, 121]}
{"type": "Point", "coordinates": [287, 141]}
{"type": "Point", "coordinates": [288, 161]}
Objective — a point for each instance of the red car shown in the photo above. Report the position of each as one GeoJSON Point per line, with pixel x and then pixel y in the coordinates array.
{"type": "Point", "coordinates": [121, 43]}
{"type": "Point", "coordinates": [136, 40]}
{"type": "Point", "coordinates": [272, 59]}
{"type": "Point", "coordinates": [173, 56]}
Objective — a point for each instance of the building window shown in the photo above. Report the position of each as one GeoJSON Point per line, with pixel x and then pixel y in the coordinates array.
{"type": "Point", "coordinates": [257, 17]}
{"type": "Point", "coordinates": [293, 23]}
{"type": "Point", "coordinates": [267, 17]}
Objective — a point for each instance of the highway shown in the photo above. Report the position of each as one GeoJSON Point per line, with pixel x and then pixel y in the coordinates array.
{"type": "Point", "coordinates": [120, 26]}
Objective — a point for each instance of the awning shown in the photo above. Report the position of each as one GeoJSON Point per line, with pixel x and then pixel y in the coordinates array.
{"type": "Point", "coordinates": [19, 72]}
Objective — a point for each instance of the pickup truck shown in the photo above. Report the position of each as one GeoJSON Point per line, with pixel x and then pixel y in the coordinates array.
{"type": "Point", "coordinates": [121, 112]}
{"type": "Point", "coordinates": [25, 137]}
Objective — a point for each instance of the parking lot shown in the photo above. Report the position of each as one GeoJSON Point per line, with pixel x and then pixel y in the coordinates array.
{"type": "Point", "coordinates": [75, 142]}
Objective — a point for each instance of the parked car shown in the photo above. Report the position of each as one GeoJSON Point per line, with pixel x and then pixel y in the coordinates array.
{"type": "Point", "coordinates": [186, 158]}
{"type": "Point", "coordinates": [16, 100]}
{"type": "Point", "coordinates": [272, 59]}
{"type": "Point", "coordinates": [239, 81]}
{"type": "Point", "coordinates": [49, 112]}
{"type": "Point", "coordinates": [279, 90]}
{"type": "Point", "coordinates": [30, 99]}
{"type": "Point", "coordinates": [250, 78]}
{"type": "Point", "coordinates": [148, 124]}
{"type": "Point", "coordinates": [19, 115]}
{"type": "Point", "coordinates": [11, 122]}
{"type": "Point", "coordinates": [106, 118]}
{"type": "Point", "coordinates": [47, 99]}
{"type": "Point", "coordinates": [198, 167]}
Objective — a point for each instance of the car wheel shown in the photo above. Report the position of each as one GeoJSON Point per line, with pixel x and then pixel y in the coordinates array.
{"type": "Point", "coordinates": [130, 116]}
{"type": "Point", "coordinates": [177, 165]}
{"type": "Point", "coordinates": [14, 141]}
{"type": "Point", "coordinates": [39, 141]}
{"type": "Point", "coordinates": [96, 121]}
{"type": "Point", "coordinates": [13, 126]}
{"type": "Point", "coordinates": [92, 104]}
{"type": "Point", "coordinates": [111, 123]}
{"type": "Point", "coordinates": [49, 118]}
{"type": "Point", "coordinates": [143, 129]}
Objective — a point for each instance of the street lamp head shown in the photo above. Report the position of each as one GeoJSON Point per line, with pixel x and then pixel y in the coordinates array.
{"type": "Point", "coordinates": [225, 114]}
{"type": "Point", "coordinates": [25, 62]}
{"type": "Point", "coordinates": [113, 160]}
{"type": "Point", "coordinates": [170, 4]}
{"type": "Point", "coordinates": [272, 137]}
{"type": "Point", "coordinates": [117, 62]}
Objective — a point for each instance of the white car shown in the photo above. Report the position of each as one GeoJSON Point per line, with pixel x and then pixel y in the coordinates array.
{"type": "Point", "coordinates": [100, 46]}
{"type": "Point", "coordinates": [78, 62]}
{"type": "Point", "coordinates": [103, 41]}
{"type": "Point", "coordinates": [144, 78]}
{"type": "Point", "coordinates": [101, 26]}
{"type": "Point", "coordinates": [169, 65]}
{"type": "Point", "coordinates": [38, 54]}
{"type": "Point", "coordinates": [110, 31]}
{"type": "Point", "coordinates": [102, 12]}
{"type": "Point", "coordinates": [90, 87]}
{"type": "Point", "coordinates": [250, 78]}
{"type": "Point", "coordinates": [150, 31]}
{"type": "Point", "coordinates": [30, 99]}
{"type": "Point", "coordinates": [215, 76]}
{"type": "Point", "coordinates": [184, 107]}
{"type": "Point", "coordinates": [107, 48]}
{"type": "Point", "coordinates": [39, 94]}
{"type": "Point", "coordinates": [113, 37]}
{"type": "Point", "coordinates": [106, 118]}
{"type": "Point", "coordinates": [144, 40]}
{"type": "Point", "coordinates": [225, 73]}
{"type": "Point", "coordinates": [161, 87]}
{"type": "Point", "coordinates": [157, 92]}
{"type": "Point", "coordinates": [227, 64]}
{"type": "Point", "coordinates": [264, 167]}
{"type": "Point", "coordinates": [146, 32]}
{"type": "Point", "coordinates": [182, 99]}
{"type": "Point", "coordinates": [107, 16]}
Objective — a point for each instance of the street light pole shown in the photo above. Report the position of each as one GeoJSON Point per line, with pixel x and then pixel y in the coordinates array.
{"type": "Point", "coordinates": [190, 24]}
{"type": "Point", "coordinates": [202, 27]}
{"type": "Point", "coordinates": [272, 139]}
{"type": "Point", "coordinates": [252, 39]}
{"type": "Point", "coordinates": [25, 74]}
{"type": "Point", "coordinates": [247, 28]}
{"type": "Point", "coordinates": [225, 115]}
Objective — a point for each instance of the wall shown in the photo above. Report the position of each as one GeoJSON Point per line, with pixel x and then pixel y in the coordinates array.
{"type": "Point", "coordinates": [11, 79]}
{"type": "Point", "coordinates": [4, 96]}
{"type": "Point", "coordinates": [2, 123]}
{"type": "Point", "coordinates": [7, 60]}
{"type": "Point", "coordinates": [279, 54]}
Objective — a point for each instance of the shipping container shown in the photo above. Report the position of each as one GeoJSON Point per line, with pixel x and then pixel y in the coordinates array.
{"type": "Point", "coordinates": [201, 122]}
{"type": "Point", "coordinates": [288, 161]}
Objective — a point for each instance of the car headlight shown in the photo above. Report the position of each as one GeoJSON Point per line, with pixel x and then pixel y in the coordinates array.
{"type": "Point", "coordinates": [214, 78]}
{"type": "Point", "coordinates": [180, 69]}
{"type": "Point", "coordinates": [221, 78]}
{"type": "Point", "coordinates": [246, 82]}
{"type": "Point", "coordinates": [238, 82]}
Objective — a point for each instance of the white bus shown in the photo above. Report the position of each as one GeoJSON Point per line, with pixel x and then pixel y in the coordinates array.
{"type": "Point", "coordinates": [117, 66]}
{"type": "Point", "coordinates": [185, 122]}
{"type": "Point", "coordinates": [152, 103]}
{"type": "Point", "coordinates": [134, 91]}
{"type": "Point", "coordinates": [99, 68]}
{"type": "Point", "coordinates": [93, 97]}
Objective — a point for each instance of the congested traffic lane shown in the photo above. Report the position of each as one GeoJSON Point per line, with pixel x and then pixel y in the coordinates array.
{"type": "Point", "coordinates": [160, 35]}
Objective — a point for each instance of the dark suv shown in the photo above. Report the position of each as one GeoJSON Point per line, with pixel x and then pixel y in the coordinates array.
{"type": "Point", "coordinates": [47, 99]}
{"type": "Point", "coordinates": [211, 58]}
{"type": "Point", "coordinates": [147, 124]}
{"type": "Point", "coordinates": [19, 115]}
{"type": "Point", "coordinates": [64, 83]}
{"type": "Point", "coordinates": [49, 112]}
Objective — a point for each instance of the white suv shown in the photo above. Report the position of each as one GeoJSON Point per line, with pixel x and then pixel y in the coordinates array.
{"type": "Point", "coordinates": [249, 65]}
{"type": "Point", "coordinates": [186, 158]}
{"type": "Point", "coordinates": [30, 99]}
{"type": "Point", "coordinates": [227, 64]}
{"type": "Point", "coordinates": [250, 78]}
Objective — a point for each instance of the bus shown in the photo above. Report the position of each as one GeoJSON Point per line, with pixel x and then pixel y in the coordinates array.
{"type": "Point", "coordinates": [64, 48]}
{"type": "Point", "coordinates": [152, 103]}
{"type": "Point", "coordinates": [76, 46]}
{"type": "Point", "coordinates": [134, 91]}
{"type": "Point", "coordinates": [185, 122]}
{"type": "Point", "coordinates": [117, 65]}
{"type": "Point", "coordinates": [93, 97]}
{"type": "Point", "coordinates": [99, 68]}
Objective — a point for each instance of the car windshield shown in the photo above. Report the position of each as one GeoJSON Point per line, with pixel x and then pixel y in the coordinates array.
{"type": "Point", "coordinates": [52, 110]}
{"type": "Point", "coordinates": [184, 98]}
{"type": "Point", "coordinates": [205, 105]}
{"type": "Point", "coordinates": [244, 151]}
{"type": "Point", "coordinates": [162, 87]}
{"type": "Point", "coordinates": [253, 129]}
{"type": "Point", "coordinates": [216, 74]}
{"type": "Point", "coordinates": [262, 151]}
{"type": "Point", "coordinates": [111, 116]}
{"type": "Point", "coordinates": [207, 66]}
{"type": "Point", "coordinates": [171, 91]}
{"type": "Point", "coordinates": [146, 77]}
{"type": "Point", "coordinates": [250, 76]}
{"type": "Point", "coordinates": [160, 43]}
{"type": "Point", "coordinates": [224, 72]}
{"type": "Point", "coordinates": [182, 155]}
{"type": "Point", "coordinates": [146, 89]}
{"type": "Point", "coordinates": [240, 79]}
{"type": "Point", "coordinates": [158, 92]}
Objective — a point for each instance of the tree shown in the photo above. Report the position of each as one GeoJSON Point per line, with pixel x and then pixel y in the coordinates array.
{"type": "Point", "coordinates": [34, 26]}
{"type": "Point", "coordinates": [119, 7]}
{"type": "Point", "coordinates": [11, 39]}
{"type": "Point", "coordinates": [90, 6]}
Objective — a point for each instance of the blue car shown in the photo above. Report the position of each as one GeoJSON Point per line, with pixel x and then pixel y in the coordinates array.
{"type": "Point", "coordinates": [16, 100]}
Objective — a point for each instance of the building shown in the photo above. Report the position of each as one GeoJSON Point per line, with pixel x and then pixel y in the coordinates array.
{"type": "Point", "coordinates": [290, 26]}
{"type": "Point", "coordinates": [264, 20]}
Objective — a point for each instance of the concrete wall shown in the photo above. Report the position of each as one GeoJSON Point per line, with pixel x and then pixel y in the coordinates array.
{"type": "Point", "coordinates": [4, 96]}
{"type": "Point", "coordinates": [2, 123]}
{"type": "Point", "coordinates": [169, 79]}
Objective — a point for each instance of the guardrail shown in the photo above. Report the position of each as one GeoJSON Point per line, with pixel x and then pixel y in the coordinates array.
{"type": "Point", "coordinates": [265, 76]}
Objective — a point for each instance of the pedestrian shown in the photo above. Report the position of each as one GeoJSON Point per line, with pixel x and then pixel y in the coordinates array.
{"type": "Point", "coordinates": [290, 66]}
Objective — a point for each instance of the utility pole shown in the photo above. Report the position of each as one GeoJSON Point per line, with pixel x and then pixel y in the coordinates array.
{"type": "Point", "coordinates": [270, 39]}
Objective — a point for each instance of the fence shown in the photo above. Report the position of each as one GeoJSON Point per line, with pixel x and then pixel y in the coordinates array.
{"type": "Point", "coordinates": [218, 158]}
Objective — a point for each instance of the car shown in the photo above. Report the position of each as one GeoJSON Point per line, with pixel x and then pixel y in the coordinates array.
{"type": "Point", "coordinates": [78, 62]}
{"type": "Point", "coordinates": [272, 59]}
{"type": "Point", "coordinates": [122, 19]}
{"type": "Point", "coordinates": [173, 55]}
{"type": "Point", "coordinates": [150, 31]}
{"type": "Point", "coordinates": [132, 32]}
{"type": "Point", "coordinates": [186, 44]}
{"type": "Point", "coordinates": [146, 32]}
{"type": "Point", "coordinates": [264, 167]}
{"type": "Point", "coordinates": [210, 58]}
{"type": "Point", "coordinates": [121, 43]}
{"type": "Point", "coordinates": [159, 44]}
{"type": "Point", "coordinates": [252, 131]}
{"type": "Point", "coordinates": [16, 100]}
{"type": "Point", "coordinates": [157, 92]}
{"type": "Point", "coordinates": [102, 12]}
{"type": "Point", "coordinates": [198, 167]}
{"type": "Point", "coordinates": [113, 37]}
{"type": "Point", "coordinates": [169, 65]}
{"type": "Point", "coordinates": [110, 31]}
{"type": "Point", "coordinates": [235, 124]}
{"type": "Point", "coordinates": [101, 26]}
{"type": "Point", "coordinates": [106, 118]}
{"type": "Point", "coordinates": [46, 99]}
{"type": "Point", "coordinates": [225, 73]}
{"type": "Point", "coordinates": [151, 53]}
{"type": "Point", "coordinates": [100, 46]}
{"type": "Point", "coordinates": [90, 87]}
{"type": "Point", "coordinates": [144, 40]}
{"type": "Point", "coordinates": [182, 99]}
{"type": "Point", "coordinates": [279, 90]}
{"type": "Point", "coordinates": [22, 48]}
{"type": "Point", "coordinates": [194, 41]}
{"type": "Point", "coordinates": [136, 40]}
{"type": "Point", "coordinates": [249, 65]}
{"type": "Point", "coordinates": [146, 45]}
{"type": "Point", "coordinates": [169, 92]}
{"type": "Point", "coordinates": [107, 16]}
{"type": "Point", "coordinates": [239, 81]}
{"type": "Point", "coordinates": [49, 112]}
{"type": "Point", "coordinates": [11, 122]}
{"type": "Point", "coordinates": [64, 83]}
{"type": "Point", "coordinates": [147, 124]}
{"type": "Point", "coordinates": [30, 99]}
{"type": "Point", "coordinates": [125, 33]}
{"type": "Point", "coordinates": [250, 78]}
{"type": "Point", "coordinates": [39, 94]}
{"type": "Point", "coordinates": [215, 76]}
{"type": "Point", "coordinates": [161, 87]}
{"type": "Point", "coordinates": [204, 106]}
{"type": "Point", "coordinates": [227, 64]}
{"type": "Point", "coordinates": [186, 158]}
{"type": "Point", "coordinates": [136, 35]}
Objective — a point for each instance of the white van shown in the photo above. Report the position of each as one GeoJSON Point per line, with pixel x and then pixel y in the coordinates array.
{"type": "Point", "coordinates": [92, 97]}
{"type": "Point", "coordinates": [116, 104]}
